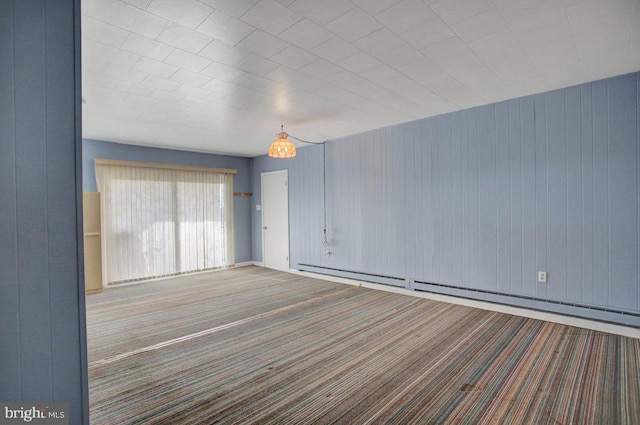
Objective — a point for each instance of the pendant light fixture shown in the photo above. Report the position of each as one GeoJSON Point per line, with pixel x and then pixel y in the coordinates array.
{"type": "Point", "coordinates": [282, 147]}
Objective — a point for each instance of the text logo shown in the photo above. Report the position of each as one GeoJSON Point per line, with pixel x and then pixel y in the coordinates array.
{"type": "Point", "coordinates": [34, 413]}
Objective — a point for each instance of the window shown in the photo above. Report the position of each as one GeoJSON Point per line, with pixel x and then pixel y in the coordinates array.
{"type": "Point", "coordinates": [160, 220]}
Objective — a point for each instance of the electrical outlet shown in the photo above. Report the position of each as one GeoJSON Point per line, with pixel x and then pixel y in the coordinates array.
{"type": "Point", "coordinates": [542, 277]}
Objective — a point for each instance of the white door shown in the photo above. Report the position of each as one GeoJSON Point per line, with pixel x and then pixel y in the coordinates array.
{"type": "Point", "coordinates": [275, 220]}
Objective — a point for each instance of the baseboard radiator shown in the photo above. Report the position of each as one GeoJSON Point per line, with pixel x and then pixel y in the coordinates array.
{"type": "Point", "coordinates": [604, 314]}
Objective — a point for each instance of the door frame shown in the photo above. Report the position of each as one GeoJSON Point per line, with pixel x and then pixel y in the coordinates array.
{"type": "Point", "coordinates": [284, 171]}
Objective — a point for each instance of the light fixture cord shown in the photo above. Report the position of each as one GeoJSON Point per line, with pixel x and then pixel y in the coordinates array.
{"type": "Point", "coordinates": [306, 141]}
{"type": "Point", "coordinates": [325, 242]}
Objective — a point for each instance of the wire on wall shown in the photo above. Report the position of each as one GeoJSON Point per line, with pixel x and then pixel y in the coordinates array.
{"type": "Point", "coordinates": [325, 241]}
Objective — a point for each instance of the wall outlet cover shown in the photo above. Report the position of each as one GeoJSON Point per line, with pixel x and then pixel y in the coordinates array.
{"type": "Point", "coordinates": [542, 277]}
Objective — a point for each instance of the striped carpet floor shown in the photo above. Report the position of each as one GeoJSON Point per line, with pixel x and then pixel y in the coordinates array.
{"type": "Point", "coordinates": [256, 346]}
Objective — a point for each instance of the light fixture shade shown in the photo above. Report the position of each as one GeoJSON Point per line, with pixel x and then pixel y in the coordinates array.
{"type": "Point", "coordinates": [282, 148]}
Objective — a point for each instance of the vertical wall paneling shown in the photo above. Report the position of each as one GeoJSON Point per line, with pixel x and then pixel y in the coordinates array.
{"type": "Point", "coordinates": [623, 202]}
{"type": "Point", "coordinates": [466, 194]}
{"type": "Point", "coordinates": [529, 185]}
{"type": "Point", "coordinates": [486, 197]}
{"type": "Point", "coordinates": [426, 217]}
{"type": "Point", "coordinates": [445, 206]}
{"type": "Point", "coordinates": [487, 205]}
{"type": "Point", "coordinates": [412, 187]}
{"type": "Point", "coordinates": [515, 189]}
{"type": "Point", "coordinates": [399, 201]}
{"type": "Point", "coordinates": [474, 199]}
{"type": "Point", "coordinates": [556, 166]}
{"type": "Point", "coordinates": [574, 195]}
{"type": "Point", "coordinates": [457, 192]}
{"type": "Point", "coordinates": [31, 154]}
{"type": "Point", "coordinates": [503, 198]}
{"type": "Point", "coordinates": [588, 224]}
{"type": "Point", "coordinates": [600, 115]}
{"type": "Point", "coordinates": [63, 250]}
{"type": "Point", "coordinates": [9, 289]}
{"type": "Point", "coordinates": [43, 348]}
{"type": "Point", "coordinates": [540, 131]}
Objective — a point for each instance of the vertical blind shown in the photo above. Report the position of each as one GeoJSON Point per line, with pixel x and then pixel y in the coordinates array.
{"type": "Point", "coordinates": [159, 221]}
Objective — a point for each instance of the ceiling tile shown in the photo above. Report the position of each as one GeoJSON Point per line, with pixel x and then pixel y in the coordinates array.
{"type": "Point", "coordinates": [99, 79]}
{"type": "Point", "coordinates": [305, 34]}
{"type": "Point", "coordinates": [359, 62]}
{"type": "Point", "coordinates": [96, 30]}
{"type": "Point", "coordinates": [222, 72]}
{"type": "Point", "coordinates": [190, 78]}
{"type": "Point", "coordinates": [112, 55]}
{"type": "Point", "coordinates": [183, 38]}
{"type": "Point", "coordinates": [406, 15]}
{"type": "Point", "coordinates": [262, 44]}
{"type": "Point", "coordinates": [379, 42]}
{"type": "Point", "coordinates": [428, 34]}
{"type": "Point", "coordinates": [373, 7]}
{"type": "Point", "coordinates": [335, 50]}
{"type": "Point", "coordinates": [187, 60]}
{"type": "Point", "coordinates": [222, 52]}
{"type": "Point", "coordinates": [124, 74]}
{"type": "Point", "coordinates": [191, 91]}
{"type": "Point", "coordinates": [446, 50]}
{"type": "Point", "coordinates": [310, 84]}
{"type": "Point", "coordinates": [321, 12]}
{"type": "Point", "coordinates": [257, 65]}
{"type": "Point", "coordinates": [354, 25]}
{"type": "Point", "coordinates": [135, 20]}
{"type": "Point", "coordinates": [345, 78]}
{"type": "Point", "coordinates": [535, 18]}
{"type": "Point", "coordinates": [160, 83]}
{"type": "Point", "coordinates": [141, 100]}
{"type": "Point", "coordinates": [294, 57]}
{"type": "Point", "coordinates": [270, 16]}
{"type": "Point", "coordinates": [387, 77]}
{"type": "Point", "coordinates": [234, 8]}
{"type": "Point", "coordinates": [321, 68]}
{"type": "Point", "coordinates": [285, 75]}
{"type": "Point", "coordinates": [401, 56]}
{"type": "Point", "coordinates": [453, 11]}
{"type": "Point", "coordinates": [189, 13]}
{"type": "Point", "coordinates": [140, 4]}
{"type": "Point", "coordinates": [156, 68]}
{"type": "Point", "coordinates": [508, 7]}
{"type": "Point", "coordinates": [493, 44]}
{"type": "Point", "coordinates": [219, 86]}
{"type": "Point", "coordinates": [480, 25]}
{"type": "Point", "coordinates": [225, 28]}
{"type": "Point", "coordinates": [146, 47]}
{"type": "Point", "coordinates": [134, 88]}
{"type": "Point", "coordinates": [418, 70]}
{"type": "Point", "coordinates": [97, 9]}
{"type": "Point", "coordinates": [90, 91]}
{"type": "Point", "coordinates": [551, 35]}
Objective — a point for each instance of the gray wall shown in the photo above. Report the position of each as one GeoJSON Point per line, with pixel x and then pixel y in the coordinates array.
{"type": "Point", "coordinates": [42, 336]}
{"type": "Point", "coordinates": [482, 199]}
{"type": "Point", "coordinates": [93, 149]}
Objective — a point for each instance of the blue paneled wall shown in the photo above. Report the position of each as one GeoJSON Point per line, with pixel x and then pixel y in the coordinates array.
{"type": "Point", "coordinates": [93, 149]}
{"type": "Point", "coordinates": [475, 202]}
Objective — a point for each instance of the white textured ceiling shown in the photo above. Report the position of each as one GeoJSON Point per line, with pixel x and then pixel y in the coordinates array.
{"type": "Point", "coordinates": [222, 75]}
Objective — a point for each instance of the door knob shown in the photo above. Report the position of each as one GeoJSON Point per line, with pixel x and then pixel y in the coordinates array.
{"type": "Point", "coordinates": [265, 227]}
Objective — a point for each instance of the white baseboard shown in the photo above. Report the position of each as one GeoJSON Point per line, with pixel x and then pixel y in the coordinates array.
{"type": "Point", "coordinates": [499, 308]}
{"type": "Point", "coordinates": [244, 264]}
